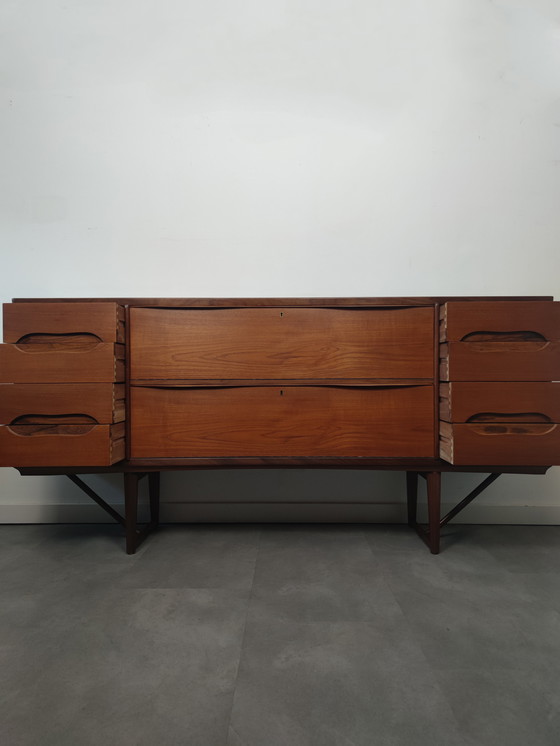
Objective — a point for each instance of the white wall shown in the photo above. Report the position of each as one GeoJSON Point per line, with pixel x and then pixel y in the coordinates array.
{"type": "Point", "coordinates": [296, 147]}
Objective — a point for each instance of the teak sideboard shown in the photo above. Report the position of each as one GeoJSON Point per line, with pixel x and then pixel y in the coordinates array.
{"type": "Point", "coordinates": [142, 385]}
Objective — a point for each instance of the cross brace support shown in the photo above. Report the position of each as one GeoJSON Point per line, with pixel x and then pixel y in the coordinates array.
{"type": "Point", "coordinates": [135, 534]}
{"type": "Point", "coordinates": [431, 533]}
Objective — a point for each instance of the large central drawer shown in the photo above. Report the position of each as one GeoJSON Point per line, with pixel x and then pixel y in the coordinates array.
{"type": "Point", "coordinates": [281, 343]}
{"type": "Point", "coordinates": [282, 421]}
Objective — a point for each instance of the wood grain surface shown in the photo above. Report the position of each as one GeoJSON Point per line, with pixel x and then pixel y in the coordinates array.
{"type": "Point", "coordinates": [281, 343]}
{"type": "Point", "coordinates": [104, 402]}
{"type": "Point", "coordinates": [530, 444]}
{"type": "Point", "coordinates": [100, 445]}
{"type": "Point", "coordinates": [526, 401]}
{"type": "Point", "coordinates": [36, 363]}
{"type": "Point", "coordinates": [500, 361]}
{"type": "Point", "coordinates": [459, 319]}
{"type": "Point", "coordinates": [287, 421]}
{"type": "Point", "coordinates": [104, 320]}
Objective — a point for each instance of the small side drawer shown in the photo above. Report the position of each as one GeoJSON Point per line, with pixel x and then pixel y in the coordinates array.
{"type": "Point", "coordinates": [67, 403]}
{"type": "Point", "coordinates": [282, 421]}
{"type": "Point", "coordinates": [500, 361]}
{"type": "Point", "coordinates": [61, 445]}
{"type": "Point", "coordinates": [476, 320]}
{"type": "Point", "coordinates": [96, 362]}
{"type": "Point", "coordinates": [500, 444]}
{"type": "Point", "coordinates": [103, 322]}
{"type": "Point", "coordinates": [500, 402]}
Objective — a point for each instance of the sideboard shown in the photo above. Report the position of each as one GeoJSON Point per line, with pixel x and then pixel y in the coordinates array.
{"type": "Point", "coordinates": [143, 385]}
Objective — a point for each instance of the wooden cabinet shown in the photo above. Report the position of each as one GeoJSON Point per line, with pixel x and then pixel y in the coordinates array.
{"type": "Point", "coordinates": [62, 384]}
{"type": "Point", "coordinates": [284, 381]}
{"type": "Point", "coordinates": [500, 405]}
{"type": "Point", "coordinates": [140, 385]}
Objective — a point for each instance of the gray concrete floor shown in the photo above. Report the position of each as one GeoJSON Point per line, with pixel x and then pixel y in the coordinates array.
{"type": "Point", "coordinates": [275, 635]}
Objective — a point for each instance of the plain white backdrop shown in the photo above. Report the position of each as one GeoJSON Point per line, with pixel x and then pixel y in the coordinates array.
{"type": "Point", "coordinates": [282, 148]}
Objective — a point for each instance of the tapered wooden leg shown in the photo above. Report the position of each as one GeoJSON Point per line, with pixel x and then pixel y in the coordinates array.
{"type": "Point", "coordinates": [412, 496]}
{"type": "Point", "coordinates": [153, 486]}
{"type": "Point", "coordinates": [433, 479]}
{"type": "Point", "coordinates": [131, 510]}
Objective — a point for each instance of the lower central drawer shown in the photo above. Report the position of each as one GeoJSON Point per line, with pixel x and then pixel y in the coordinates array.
{"type": "Point", "coordinates": [283, 421]}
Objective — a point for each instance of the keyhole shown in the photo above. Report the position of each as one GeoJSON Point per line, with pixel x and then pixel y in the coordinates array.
{"type": "Point", "coordinates": [281, 313]}
{"type": "Point", "coordinates": [281, 392]}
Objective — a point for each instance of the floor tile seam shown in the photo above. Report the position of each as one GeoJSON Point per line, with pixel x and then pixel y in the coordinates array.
{"type": "Point", "coordinates": [491, 671]}
{"type": "Point", "coordinates": [427, 663]}
{"type": "Point", "coordinates": [514, 603]}
{"type": "Point", "coordinates": [242, 643]}
{"type": "Point", "coordinates": [242, 741]}
{"type": "Point", "coordinates": [379, 560]}
{"type": "Point", "coordinates": [441, 689]}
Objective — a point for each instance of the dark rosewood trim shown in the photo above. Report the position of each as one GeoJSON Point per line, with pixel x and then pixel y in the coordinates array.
{"type": "Point", "coordinates": [436, 379]}
{"type": "Point", "coordinates": [127, 382]}
{"type": "Point", "coordinates": [271, 462]}
{"type": "Point", "coordinates": [420, 465]}
{"type": "Point", "coordinates": [96, 498]}
{"type": "Point", "coordinates": [469, 498]}
{"type": "Point", "coordinates": [285, 382]}
{"type": "Point", "coordinates": [272, 302]}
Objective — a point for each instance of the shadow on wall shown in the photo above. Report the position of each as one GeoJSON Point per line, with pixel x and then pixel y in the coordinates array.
{"type": "Point", "coordinates": [284, 495]}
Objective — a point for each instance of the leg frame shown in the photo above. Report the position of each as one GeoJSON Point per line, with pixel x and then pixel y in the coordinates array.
{"type": "Point", "coordinates": [134, 534]}
{"type": "Point", "coordinates": [431, 533]}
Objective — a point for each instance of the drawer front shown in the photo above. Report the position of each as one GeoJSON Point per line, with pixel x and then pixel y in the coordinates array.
{"type": "Point", "coordinates": [48, 363]}
{"type": "Point", "coordinates": [460, 321]}
{"type": "Point", "coordinates": [98, 403]}
{"type": "Point", "coordinates": [500, 361]}
{"type": "Point", "coordinates": [287, 421]}
{"type": "Point", "coordinates": [500, 444]}
{"type": "Point", "coordinates": [500, 402]}
{"type": "Point", "coordinates": [61, 445]}
{"type": "Point", "coordinates": [280, 343]}
{"type": "Point", "coordinates": [103, 322]}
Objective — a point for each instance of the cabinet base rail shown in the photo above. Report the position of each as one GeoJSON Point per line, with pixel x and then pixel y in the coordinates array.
{"type": "Point", "coordinates": [135, 534]}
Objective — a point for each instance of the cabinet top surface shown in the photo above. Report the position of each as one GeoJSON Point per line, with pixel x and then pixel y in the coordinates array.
{"type": "Point", "coordinates": [270, 302]}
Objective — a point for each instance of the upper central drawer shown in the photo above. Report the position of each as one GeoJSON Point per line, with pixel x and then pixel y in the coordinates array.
{"type": "Point", "coordinates": [273, 343]}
